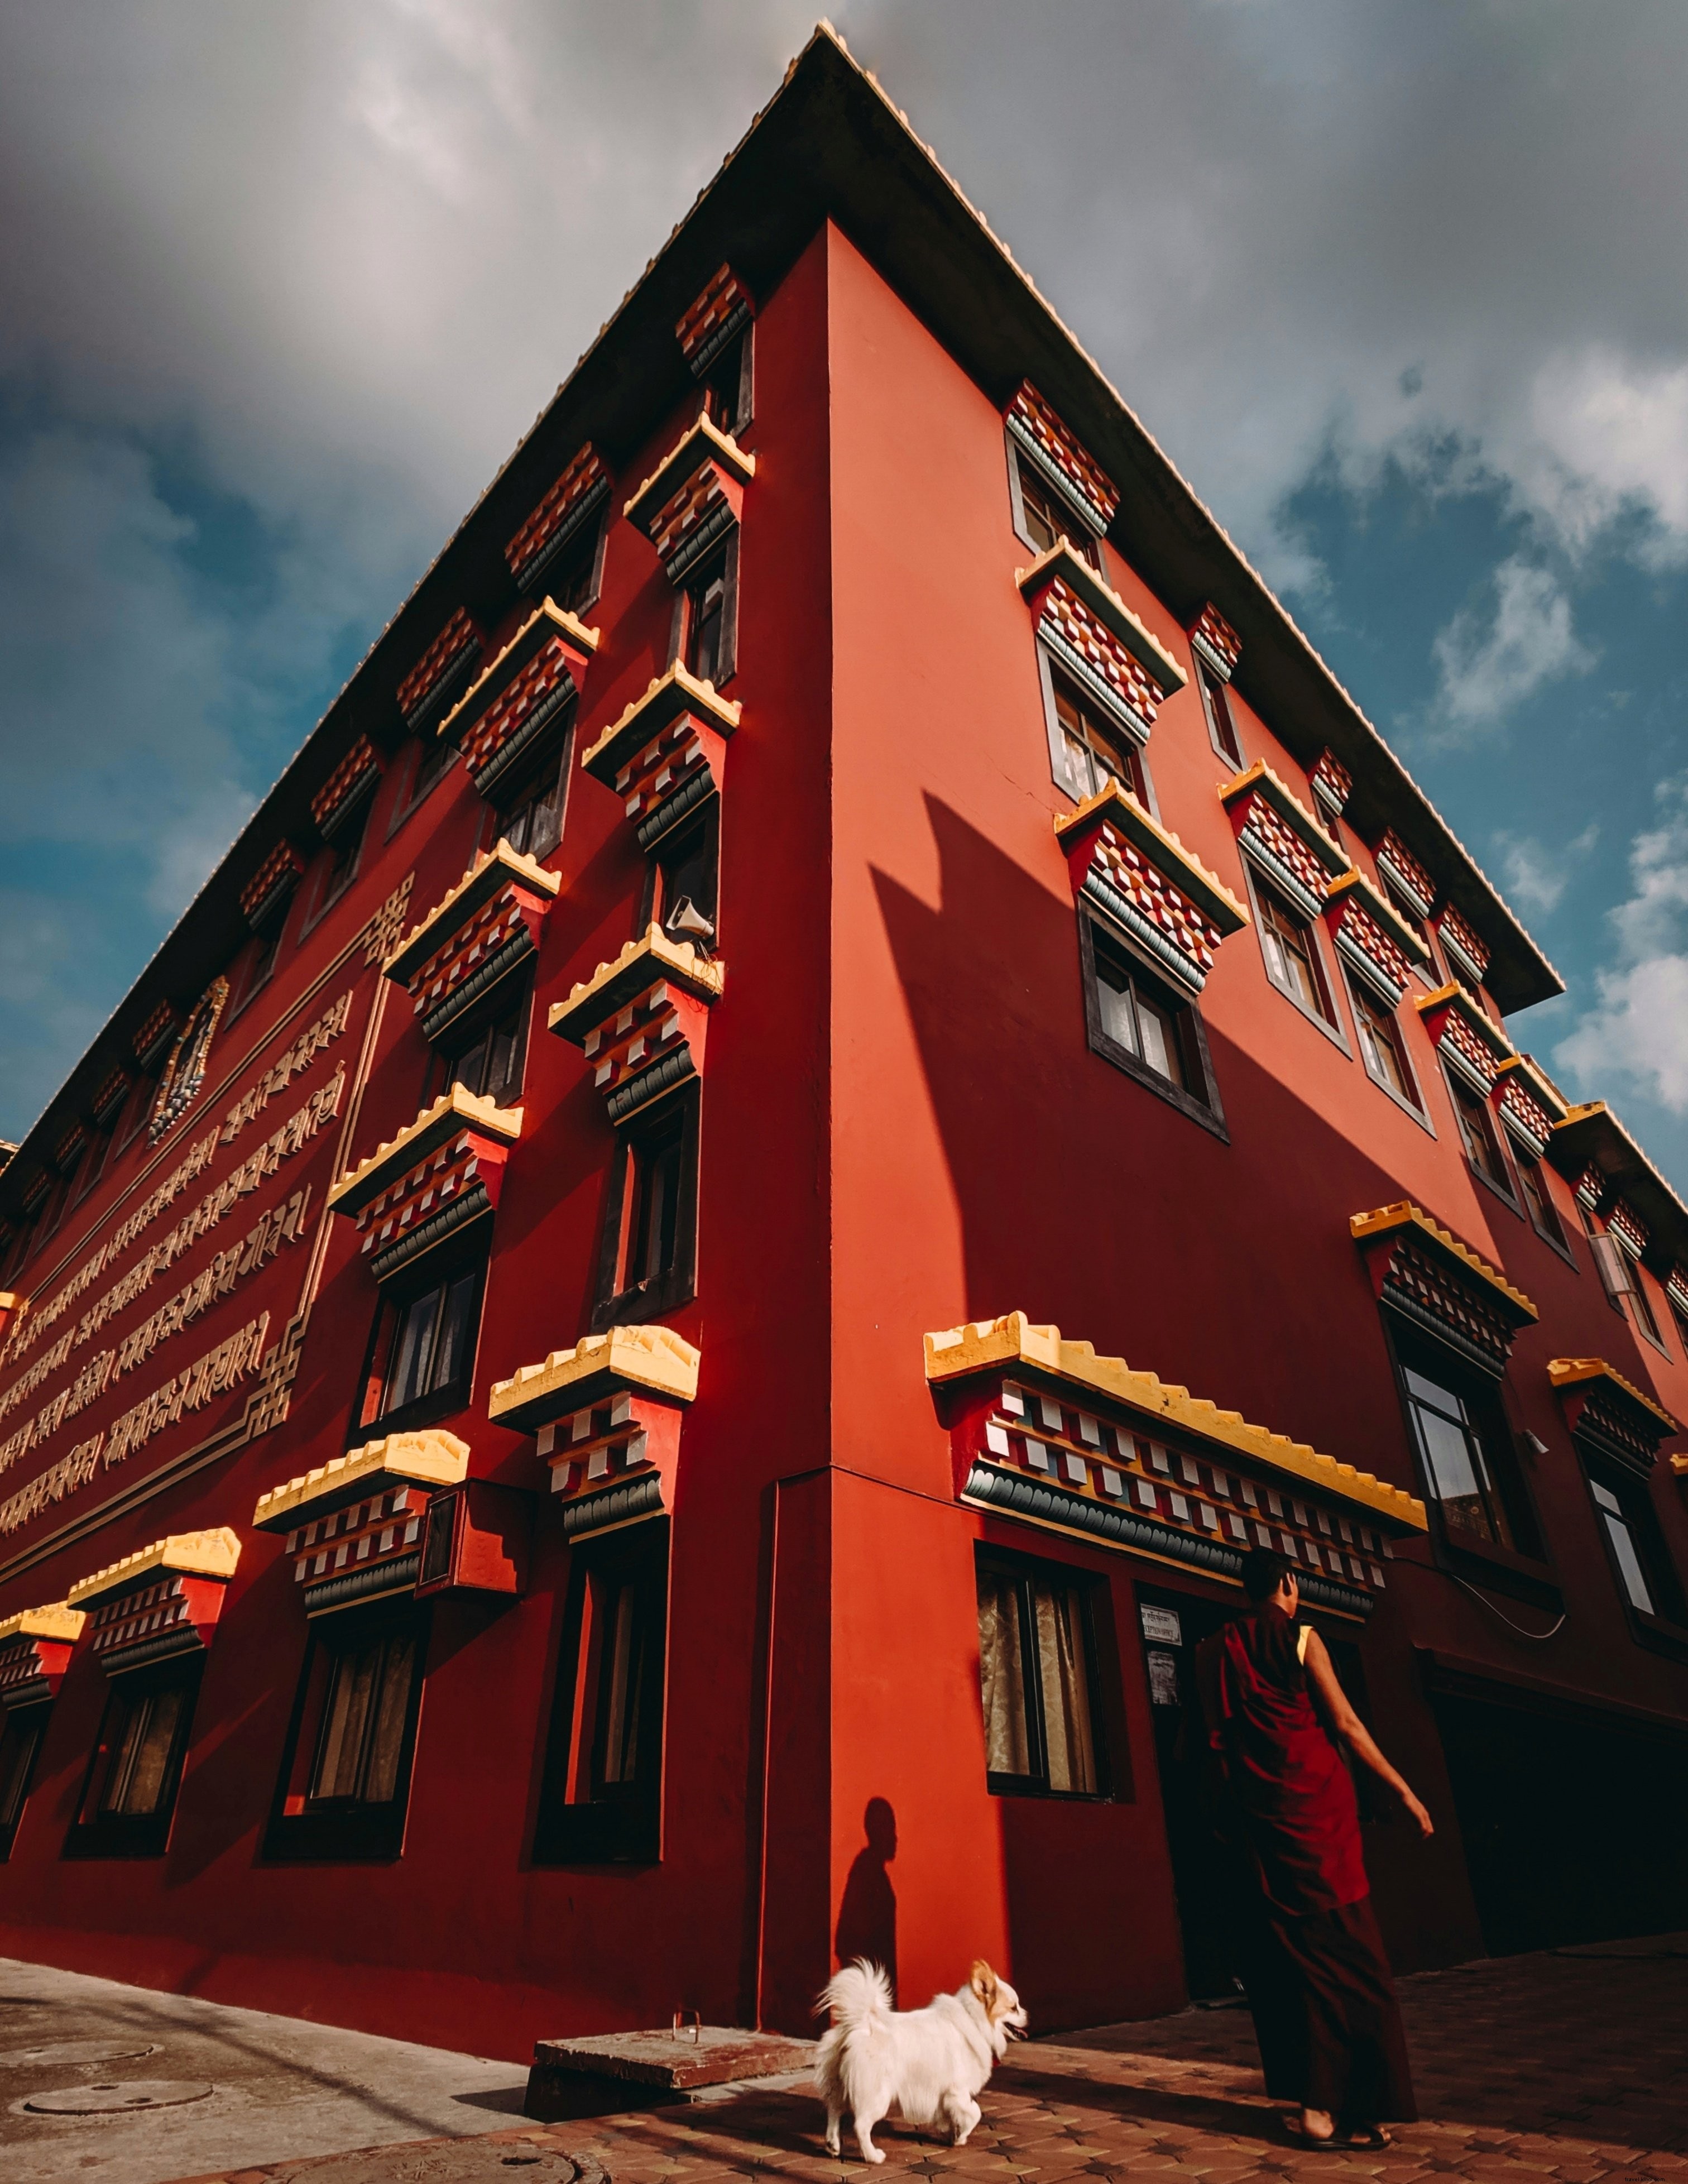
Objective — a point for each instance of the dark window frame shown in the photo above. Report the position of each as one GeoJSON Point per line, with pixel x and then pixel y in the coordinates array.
{"type": "Point", "coordinates": [255, 966]}
{"type": "Point", "coordinates": [436, 1270]}
{"type": "Point", "coordinates": [1261, 891]}
{"type": "Point", "coordinates": [606, 1826]}
{"type": "Point", "coordinates": [1091, 1590]}
{"type": "Point", "coordinates": [432, 759]}
{"type": "Point", "coordinates": [1133, 773]}
{"type": "Point", "coordinates": [588, 548]}
{"type": "Point", "coordinates": [1362, 998]}
{"type": "Point", "coordinates": [1524, 1571]}
{"type": "Point", "coordinates": [738, 412]}
{"type": "Point", "coordinates": [1663, 1627]}
{"type": "Point", "coordinates": [333, 1830]}
{"type": "Point", "coordinates": [512, 996]}
{"type": "Point", "coordinates": [1222, 732]}
{"type": "Point", "coordinates": [133, 1119]}
{"type": "Point", "coordinates": [94, 1833]}
{"type": "Point", "coordinates": [23, 1726]}
{"type": "Point", "coordinates": [1083, 540]}
{"type": "Point", "coordinates": [526, 793]}
{"type": "Point", "coordinates": [724, 559]}
{"type": "Point", "coordinates": [1466, 1104]}
{"type": "Point", "coordinates": [1205, 1108]}
{"type": "Point", "coordinates": [341, 859]}
{"type": "Point", "coordinates": [1533, 1176]}
{"type": "Point", "coordinates": [659, 902]}
{"type": "Point", "coordinates": [631, 1302]}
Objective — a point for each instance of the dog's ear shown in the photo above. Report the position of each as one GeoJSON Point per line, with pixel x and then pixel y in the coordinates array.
{"type": "Point", "coordinates": [982, 1982]}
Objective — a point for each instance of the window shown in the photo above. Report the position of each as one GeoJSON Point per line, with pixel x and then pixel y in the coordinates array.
{"type": "Point", "coordinates": [130, 1791]}
{"type": "Point", "coordinates": [487, 1056]}
{"type": "Point", "coordinates": [575, 578]}
{"type": "Point", "coordinates": [1646, 1318]}
{"type": "Point", "coordinates": [1681, 1318]}
{"type": "Point", "coordinates": [21, 1738]}
{"type": "Point", "coordinates": [423, 1354]}
{"type": "Point", "coordinates": [532, 821]}
{"type": "Point", "coordinates": [345, 850]}
{"type": "Point", "coordinates": [260, 962]}
{"type": "Point", "coordinates": [680, 895]}
{"type": "Point", "coordinates": [648, 1263]}
{"type": "Point", "coordinates": [135, 1114]}
{"type": "Point", "coordinates": [345, 1780]}
{"type": "Point", "coordinates": [1045, 517]}
{"type": "Point", "coordinates": [1640, 1562]}
{"type": "Point", "coordinates": [1137, 1021]}
{"type": "Point", "coordinates": [1466, 1447]}
{"type": "Point", "coordinates": [1293, 962]}
{"type": "Point", "coordinates": [602, 1796]}
{"type": "Point", "coordinates": [1088, 750]}
{"type": "Point", "coordinates": [1216, 704]}
{"type": "Point", "coordinates": [708, 611]}
{"type": "Point", "coordinates": [1036, 1680]}
{"type": "Point", "coordinates": [434, 755]}
{"type": "Point", "coordinates": [93, 1165]}
{"type": "Point", "coordinates": [1382, 1047]}
{"type": "Point", "coordinates": [1537, 1198]}
{"type": "Point", "coordinates": [1484, 1151]}
{"type": "Point", "coordinates": [728, 386]}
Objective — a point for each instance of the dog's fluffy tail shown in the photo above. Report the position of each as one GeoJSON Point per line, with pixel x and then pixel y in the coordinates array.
{"type": "Point", "coordinates": [858, 1997]}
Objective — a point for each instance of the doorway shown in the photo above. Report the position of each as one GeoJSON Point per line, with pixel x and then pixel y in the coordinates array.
{"type": "Point", "coordinates": [1174, 1624]}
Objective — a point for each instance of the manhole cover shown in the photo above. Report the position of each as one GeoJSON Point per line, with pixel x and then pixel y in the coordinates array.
{"type": "Point", "coordinates": [76, 2051]}
{"type": "Point", "coordinates": [129, 2098]}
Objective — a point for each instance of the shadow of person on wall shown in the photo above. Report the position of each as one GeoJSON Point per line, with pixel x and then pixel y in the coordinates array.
{"type": "Point", "coordinates": [867, 1916]}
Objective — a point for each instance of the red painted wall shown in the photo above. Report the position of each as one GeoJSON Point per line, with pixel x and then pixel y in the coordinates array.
{"type": "Point", "coordinates": [903, 1127]}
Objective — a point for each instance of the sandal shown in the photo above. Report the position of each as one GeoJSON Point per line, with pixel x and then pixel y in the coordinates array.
{"type": "Point", "coordinates": [1296, 2130]}
{"type": "Point", "coordinates": [1370, 2137]}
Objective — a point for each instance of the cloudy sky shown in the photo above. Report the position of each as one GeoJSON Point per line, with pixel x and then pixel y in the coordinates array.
{"type": "Point", "coordinates": [1402, 287]}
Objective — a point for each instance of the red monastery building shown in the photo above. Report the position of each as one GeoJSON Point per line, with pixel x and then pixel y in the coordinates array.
{"type": "Point", "coordinates": [843, 1068]}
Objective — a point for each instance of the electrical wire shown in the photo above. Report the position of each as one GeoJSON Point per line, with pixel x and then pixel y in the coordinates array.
{"type": "Point", "coordinates": [1536, 1637]}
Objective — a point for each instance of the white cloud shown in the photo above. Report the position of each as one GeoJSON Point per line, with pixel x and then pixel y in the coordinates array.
{"type": "Point", "coordinates": [1638, 1029]}
{"type": "Point", "coordinates": [1487, 664]}
{"type": "Point", "coordinates": [1536, 877]}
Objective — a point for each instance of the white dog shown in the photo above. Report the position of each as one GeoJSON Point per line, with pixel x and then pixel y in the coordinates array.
{"type": "Point", "coordinates": [928, 2063]}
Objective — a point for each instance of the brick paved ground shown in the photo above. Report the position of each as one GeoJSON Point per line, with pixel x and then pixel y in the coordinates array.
{"type": "Point", "coordinates": [1570, 2066]}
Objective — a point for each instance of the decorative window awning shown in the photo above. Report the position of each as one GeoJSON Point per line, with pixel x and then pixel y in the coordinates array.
{"type": "Point", "coordinates": [1277, 830]}
{"type": "Point", "coordinates": [162, 1602]}
{"type": "Point", "coordinates": [271, 885]}
{"type": "Point", "coordinates": [486, 928]}
{"type": "Point", "coordinates": [353, 1527]}
{"type": "Point", "coordinates": [1045, 1430]}
{"type": "Point", "coordinates": [581, 490]}
{"type": "Point", "coordinates": [1371, 936]}
{"type": "Point", "coordinates": [34, 1651]}
{"type": "Point", "coordinates": [1089, 630]}
{"type": "Point", "coordinates": [1332, 784]}
{"type": "Point", "coordinates": [694, 497]}
{"type": "Point", "coordinates": [1528, 1104]}
{"type": "Point", "coordinates": [1429, 1277]}
{"type": "Point", "coordinates": [1145, 880]}
{"type": "Point", "coordinates": [1398, 865]}
{"type": "Point", "coordinates": [1462, 944]}
{"type": "Point", "coordinates": [71, 1148]}
{"type": "Point", "coordinates": [523, 696]}
{"type": "Point", "coordinates": [606, 1418]}
{"type": "Point", "coordinates": [666, 753]}
{"type": "Point", "coordinates": [1628, 1227]}
{"type": "Point", "coordinates": [642, 1020]}
{"type": "Point", "coordinates": [1466, 1037]}
{"type": "Point", "coordinates": [158, 1027]}
{"type": "Point", "coordinates": [723, 310]}
{"type": "Point", "coordinates": [1611, 1413]}
{"type": "Point", "coordinates": [1036, 430]}
{"type": "Point", "coordinates": [444, 1170]}
{"type": "Point", "coordinates": [1215, 642]}
{"type": "Point", "coordinates": [36, 1190]}
{"type": "Point", "coordinates": [109, 1096]}
{"type": "Point", "coordinates": [1676, 1286]}
{"type": "Point", "coordinates": [441, 673]}
{"type": "Point", "coordinates": [343, 792]}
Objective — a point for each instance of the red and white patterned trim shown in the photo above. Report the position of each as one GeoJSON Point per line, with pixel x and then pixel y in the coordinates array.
{"type": "Point", "coordinates": [1035, 425]}
{"type": "Point", "coordinates": [705, 327]}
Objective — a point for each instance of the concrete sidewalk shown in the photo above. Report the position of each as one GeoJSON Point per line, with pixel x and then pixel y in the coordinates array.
{"type": "Point", "coordinates": [281, 2090]}
{"type": "Point", "coordinates": [1571, 2065]}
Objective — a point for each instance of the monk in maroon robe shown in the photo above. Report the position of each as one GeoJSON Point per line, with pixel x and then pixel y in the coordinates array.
{"type": "Point", "coordinates": [1310, 1953]}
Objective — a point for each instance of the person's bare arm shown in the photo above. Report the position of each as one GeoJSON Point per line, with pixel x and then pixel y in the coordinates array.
{"type": "Point", "coordinates": [1348, 1725]}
